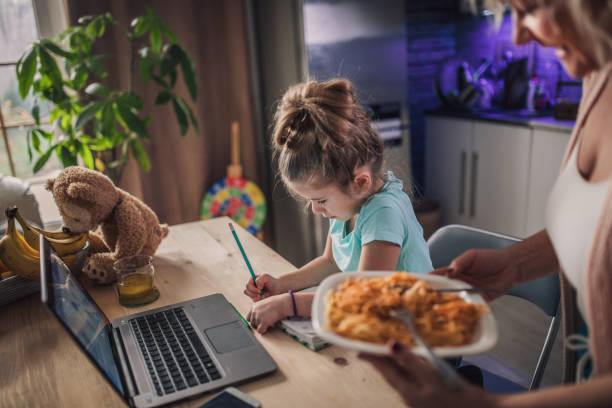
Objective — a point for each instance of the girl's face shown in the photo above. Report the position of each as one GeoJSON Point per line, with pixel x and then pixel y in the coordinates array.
{"type": "Point", "coordinates": [551, 26]}
{"type": "Point", "coordinates": [329, 200]}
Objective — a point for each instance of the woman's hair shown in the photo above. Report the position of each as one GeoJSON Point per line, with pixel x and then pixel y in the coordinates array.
{"type": "Point", "coordinates": [321, 133]}
{"type": "Point", "coordinates": [591, 18]}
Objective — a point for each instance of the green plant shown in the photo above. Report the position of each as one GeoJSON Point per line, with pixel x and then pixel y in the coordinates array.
{"type": "Point", "coordinates": [100, 125]}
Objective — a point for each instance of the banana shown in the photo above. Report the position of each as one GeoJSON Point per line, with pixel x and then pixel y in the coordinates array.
{"type": "Point", "coordinates": [17, 255]}
{"type": "Point", "coordinates": [3, 267]}
{"type": "Point", "coordinates": [63, 243]}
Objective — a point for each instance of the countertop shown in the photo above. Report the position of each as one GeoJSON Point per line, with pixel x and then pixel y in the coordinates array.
{"type": "Point", "coordinates": [539, 120]}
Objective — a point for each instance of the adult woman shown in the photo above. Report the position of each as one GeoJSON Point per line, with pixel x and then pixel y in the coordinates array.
{"type": "Point", "coordinates": [578, 234]}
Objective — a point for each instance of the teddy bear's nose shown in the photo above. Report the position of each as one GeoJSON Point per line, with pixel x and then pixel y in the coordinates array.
{"type": "Point", "coordinates": [66, 230]}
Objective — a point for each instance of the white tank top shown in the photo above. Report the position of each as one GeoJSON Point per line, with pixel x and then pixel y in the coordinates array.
{"type": "Point", "coordinates": [574, 207]}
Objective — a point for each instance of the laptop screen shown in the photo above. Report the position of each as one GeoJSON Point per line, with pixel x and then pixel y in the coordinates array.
{"type": "Point", "coordinates": [81, 316]}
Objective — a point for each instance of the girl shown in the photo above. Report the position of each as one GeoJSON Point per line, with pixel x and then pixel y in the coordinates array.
{"type": "Point", "coordinates": [329, 155]}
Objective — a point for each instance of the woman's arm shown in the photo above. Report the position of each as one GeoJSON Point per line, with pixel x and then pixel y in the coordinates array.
{"type": "Point", "coordinates": [535, 257]}
{"type": "Point", "coordinates": [504, 268]}
{"type": "Point", "coordinates": [419, 385]}
{"type": "Point", "coordinates": [593, 393]}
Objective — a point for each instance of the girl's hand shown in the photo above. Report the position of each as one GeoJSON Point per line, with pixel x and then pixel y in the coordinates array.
{"type": "Point", "coordinates": [266, 312]}
{"type": "Point", "coordinates": [269, 285]}
{"type": "Point", "coordinates": [483, 268]}
{"type": "Point", "coordinates": [420, 386]}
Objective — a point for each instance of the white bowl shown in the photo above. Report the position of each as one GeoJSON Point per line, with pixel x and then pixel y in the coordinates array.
{"type": "Point", "coordinates": [484, 339]}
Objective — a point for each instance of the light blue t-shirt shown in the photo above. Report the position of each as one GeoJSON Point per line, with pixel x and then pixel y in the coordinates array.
{"type": "Point", "coordinates": [385, 216]}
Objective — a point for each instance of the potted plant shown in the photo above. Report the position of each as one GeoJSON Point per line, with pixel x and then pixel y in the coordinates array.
{"type": "Point", "coordinates": [91, 121]}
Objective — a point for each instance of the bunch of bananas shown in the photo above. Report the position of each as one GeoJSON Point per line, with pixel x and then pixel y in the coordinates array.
{"type": "Point", "coordinates": [19, 253]}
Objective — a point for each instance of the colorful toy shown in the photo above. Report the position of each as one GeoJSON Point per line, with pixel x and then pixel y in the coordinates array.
{"type": "Point", "coordinates": [234, 196]}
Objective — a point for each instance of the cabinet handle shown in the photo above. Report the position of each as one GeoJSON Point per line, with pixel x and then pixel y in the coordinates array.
{"type": "Point", "coordinates": [474, 181]}
{"type": "Point", "coordinates": [462, 183]}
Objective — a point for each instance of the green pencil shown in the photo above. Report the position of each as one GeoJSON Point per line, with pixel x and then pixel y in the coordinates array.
{"type": "Point", "coordinates": [246, 260]}
{"type": "Point", "coordinates": [241, 318]}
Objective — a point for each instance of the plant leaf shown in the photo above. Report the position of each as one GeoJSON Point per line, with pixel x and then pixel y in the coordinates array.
{"type": "Point", "coordinates": [93, 64]}
{"type": "Point", "coordinates": [132, 122]}
{"type": "Point", "coordinates": [146, 64]}
{"type": "Point", "coordinates": [88, 113]}
{"type": "Point", "coordinates": [140, 26]}
{"type": "Point", "coordinates": [85, 153]}
{"type": "Point", "coordinates": [26, 68]}
{"type": "Point", "coordinates": [49, 67]}
{"type": "Point", "coordinates": [163, 97]}
{"type": "Point", "coordinates": [35, 140]}
{"type": "Point", "coordinates": [57, 50]}
{"type": "Point", "coordinates": [186, 108]}
{"type": "Point", "coordinates": [140, 155]}
{"type": "Point", "coordinates": [79, 77]}
{"type": "Point", "coordinates": [43, 159]}
{"type": "Point", "coordinates": [97, 89]}
{"type": "Point", "coordinates": [181, 116]}
{"type": "Point", "coordinates": [28, 136]}
{"type": "Point", "coordinates": [155, 38]}
{"type": "Point", "coordinates": [189, 75]}
{"type": "Point", "coordinates": [66, 156]}
{"type": "Point", "coordinates": [36, 114]}
{"type": "Point", "coordinates": [85, 19]}
{"type": "Point", "coordinates": [108, 120]}
{"type": "Point", "coordinates": [131, 99]}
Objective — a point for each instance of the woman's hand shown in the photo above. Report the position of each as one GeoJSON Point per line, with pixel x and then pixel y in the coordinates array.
{"type": "Point", "coordinates": [420, 386]}
{"type": "Point", "coordinates": [484, 268]}
{"type": "Point", "coordinates": [266, 312]}
{"type": "Point", "coordinates": [269, 284]}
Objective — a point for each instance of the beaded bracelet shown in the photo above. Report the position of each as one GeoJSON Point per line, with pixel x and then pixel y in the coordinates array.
{"type": "Point", "coordinates": [295, 313]}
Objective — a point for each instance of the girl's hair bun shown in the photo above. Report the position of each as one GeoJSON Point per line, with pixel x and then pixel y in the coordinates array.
{"type": "Point", "coordinates": [320, 130]}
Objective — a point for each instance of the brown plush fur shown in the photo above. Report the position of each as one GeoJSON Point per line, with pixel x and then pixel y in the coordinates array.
{"type": "Point", "coordinates": [89, 200]}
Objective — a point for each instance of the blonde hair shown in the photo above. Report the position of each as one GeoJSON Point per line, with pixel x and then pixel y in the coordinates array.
{"type": "Point", "coordinates": [592, 20]}
{"type": "Point", "coordinates": [321, 133]}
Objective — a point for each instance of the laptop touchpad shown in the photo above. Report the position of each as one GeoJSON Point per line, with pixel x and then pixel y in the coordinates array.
{"type": "Point", "coordinates": [228, 337]}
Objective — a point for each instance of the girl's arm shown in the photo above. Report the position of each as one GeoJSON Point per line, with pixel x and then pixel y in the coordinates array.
{"type": "Point", "coordinates": [312, 273]}
{"type": "Point", "coordinates": [379, 256]}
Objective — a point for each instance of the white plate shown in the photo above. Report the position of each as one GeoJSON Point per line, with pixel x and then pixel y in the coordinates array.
{"type": "Point", "coordinates": [485, 336]}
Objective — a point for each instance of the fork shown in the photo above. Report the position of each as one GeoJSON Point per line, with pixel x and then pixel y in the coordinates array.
{"type": "Point", "coordinates": [449, 376]}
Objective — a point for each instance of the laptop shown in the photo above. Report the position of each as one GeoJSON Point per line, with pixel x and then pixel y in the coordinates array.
{"type": "Point", "coordinates": [161, 355]}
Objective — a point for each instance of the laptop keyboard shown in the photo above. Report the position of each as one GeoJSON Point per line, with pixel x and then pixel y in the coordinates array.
{"type": "Point", "coordinates": [174, 354]}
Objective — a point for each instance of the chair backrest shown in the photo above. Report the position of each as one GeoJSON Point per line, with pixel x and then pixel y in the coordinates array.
{"type": "Point", "coordinates": [451, 241]}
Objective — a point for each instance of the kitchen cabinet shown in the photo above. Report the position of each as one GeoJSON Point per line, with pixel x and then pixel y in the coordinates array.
{"type": "Point", "coordinates": [547, 151]}
{"type": "Point", "coordinates": [490, 175]}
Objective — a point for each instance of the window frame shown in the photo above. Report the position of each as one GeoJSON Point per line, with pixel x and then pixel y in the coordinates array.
{"type": "Point", "coordinates": [51, 18]}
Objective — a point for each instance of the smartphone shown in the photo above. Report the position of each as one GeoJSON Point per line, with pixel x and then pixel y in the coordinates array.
{"type": "Point", "coordinates": [231, 398]}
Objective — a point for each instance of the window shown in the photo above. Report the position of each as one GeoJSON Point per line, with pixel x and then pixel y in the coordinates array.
{"type": "Point", "coordinates": [21, 23]}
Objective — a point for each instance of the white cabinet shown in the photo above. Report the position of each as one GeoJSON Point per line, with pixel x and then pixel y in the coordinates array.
{"type": "Point", "coordinates": [481, 173]}
{"type": "Point", "coordinates": [547, 150]}
{"type": "Point", "coordinates": [448, 143]}
{"type": "Point", "coordinates": [499, 171]}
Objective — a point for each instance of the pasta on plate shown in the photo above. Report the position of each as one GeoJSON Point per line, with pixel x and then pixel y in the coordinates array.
{"type": "Point", "coordinates": [359, 308]}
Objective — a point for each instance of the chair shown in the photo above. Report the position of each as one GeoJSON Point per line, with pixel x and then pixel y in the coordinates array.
{"type": "Point", "coordinates": [451, 241]}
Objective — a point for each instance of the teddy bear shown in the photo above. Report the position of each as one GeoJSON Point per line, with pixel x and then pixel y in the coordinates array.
{"type": "Point", "coordinates": [118, 223]}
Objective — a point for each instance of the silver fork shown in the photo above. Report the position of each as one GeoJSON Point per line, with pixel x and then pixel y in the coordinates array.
{"type": "Point", "coordinates": [449, 376]}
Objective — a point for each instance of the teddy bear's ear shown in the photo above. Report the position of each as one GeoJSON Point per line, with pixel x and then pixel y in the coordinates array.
{"type": "Point", "coordinates": [49, 185]}
{"type": "Point", "coordinates": [80, 190]}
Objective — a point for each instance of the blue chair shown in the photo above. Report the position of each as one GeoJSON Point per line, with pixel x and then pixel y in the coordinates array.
{"type": "Point", "coordinates": [451, 241]}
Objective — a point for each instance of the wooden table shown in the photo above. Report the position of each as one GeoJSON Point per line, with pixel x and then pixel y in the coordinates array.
{"type": "Point", "coordinates": [40, 365]}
